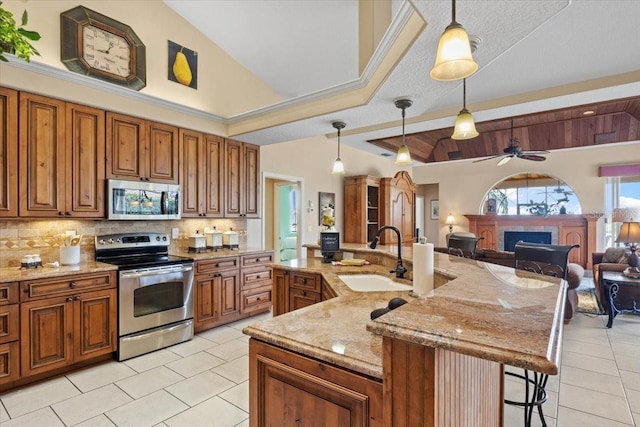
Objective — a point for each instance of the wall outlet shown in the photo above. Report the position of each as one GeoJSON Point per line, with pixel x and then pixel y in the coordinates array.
{"type": "Point", "coordinates": [347, 255]}
{"type": "Point", "coordinates": [70, 233]}
{"type": "Point", "coordinates": [175, 233]}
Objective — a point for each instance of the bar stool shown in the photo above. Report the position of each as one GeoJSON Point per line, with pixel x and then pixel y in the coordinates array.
{"type": "Point", "coordinates": [551, 260]}
{"type": "Point", "coordinates": [463, 246]}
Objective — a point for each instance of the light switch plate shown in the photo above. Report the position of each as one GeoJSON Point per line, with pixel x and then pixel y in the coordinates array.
{"type": "Point", "coordinates": [175, 233]}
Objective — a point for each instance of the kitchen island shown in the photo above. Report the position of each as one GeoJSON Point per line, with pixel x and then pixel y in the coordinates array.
{"type": "Point", "coordinates": [440, 355]}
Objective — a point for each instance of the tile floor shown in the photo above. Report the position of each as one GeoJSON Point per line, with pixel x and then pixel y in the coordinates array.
{"type": "Point", "coordinates": [204, 382]}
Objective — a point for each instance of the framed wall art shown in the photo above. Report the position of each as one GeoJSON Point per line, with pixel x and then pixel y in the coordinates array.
{"type": "Point", "coordinates": [435, 209]}
{"type": "Point", "coordinates": [183, 65]}
{"type": "Point", "coordinates": [325, 200]}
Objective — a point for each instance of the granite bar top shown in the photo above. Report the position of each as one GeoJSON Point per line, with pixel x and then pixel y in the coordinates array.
{"type": "Point", "coordinates": [220, 253]}
{"type": "Point", "coordinates": [16, 274]}
{"type": "Point", "coordinates": [484, 310]}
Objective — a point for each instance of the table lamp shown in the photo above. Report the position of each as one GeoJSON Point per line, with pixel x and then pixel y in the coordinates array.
{"type": "Point", "coordinates": [450, 221]}
{"type": "Point", "coordinates": [630, 236]}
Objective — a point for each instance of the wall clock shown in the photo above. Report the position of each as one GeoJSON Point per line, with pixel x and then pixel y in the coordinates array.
{"type": "Point", "coordinates": [98, 46]}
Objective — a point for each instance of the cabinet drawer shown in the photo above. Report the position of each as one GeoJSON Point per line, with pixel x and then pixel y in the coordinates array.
{"type": "Point", "coordinates": [299, 298]}
{"type": "Point", "coordinates": [256, 277]}
{"type": "Point", "coordinates": [9, 362]}
{"type": "Point", "coordinates": [9, 293]}
{"type": "Point", "coordinates": [44, 288]}
{"type": "Point", "coordinates": [9, 323]}
{"type": "Point", "coordinates": [216, 264]}
{"type": "Point", "coordinates": [257, 259]}
{"type": "Point", "coordinates": [256, 299]}
{"type": "Point", "coordinates": [305, 281]}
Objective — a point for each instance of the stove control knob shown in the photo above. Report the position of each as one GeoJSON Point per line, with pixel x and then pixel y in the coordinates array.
{"type": "Point", "coordinates": [101, 242]}
{"type": "Point", "coordinates": [164, 238]}
{"type": "Point", "coordinates": [110, 241]}
{"type": "Point", "coordinates": [157, 238]}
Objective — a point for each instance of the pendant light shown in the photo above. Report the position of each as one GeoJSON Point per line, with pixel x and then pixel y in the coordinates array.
{"type": "Point", "coordinates": [453, 59]}
{"type": "Point", "coordinates": [338, 166]}
{"type": "Point", "coordinates": [404, 156]}
{"type": "Point", "coordinates": [465, 127]}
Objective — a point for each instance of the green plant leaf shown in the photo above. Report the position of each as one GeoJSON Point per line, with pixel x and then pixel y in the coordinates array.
{"type": "Point", "coordinates": [25, 17]}
{"type": "Point", "coordinates": [31, 35]}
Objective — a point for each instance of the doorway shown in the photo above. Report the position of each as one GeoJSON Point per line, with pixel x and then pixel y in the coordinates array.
{"type": "Point", "coordinates": [282, 216]}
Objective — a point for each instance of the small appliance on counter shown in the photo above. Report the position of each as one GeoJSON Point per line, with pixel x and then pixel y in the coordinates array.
{"type": "Point", "coordinates": [329, 245]}
{"type": "Point", "coordinates": [230, 239]}
{"type": "Point", "coordinates": [214, 238]}
{"type": "Point", "coordinates": [197, 243]}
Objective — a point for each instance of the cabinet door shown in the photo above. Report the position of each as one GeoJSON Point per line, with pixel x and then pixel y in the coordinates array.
{"type": "Point", "coordinates": [94, 324]}
{"type": "Point", "coordinates": [251, 187]}
{"type": "Point", "coordinates": [229, 295]}
{"type": "Point", "coordinates": [84, 174]}
{"type": "Point", "coordinates": [280, 292]}
{"type": "Point", "coordinates": [126, 147]}
{"type": "Point", "coordinates": [233, 179]}
{"type": "Point", "coordinates": [191, 166]}
{"type": "Point", "coordinates": [162, 154]}
{"type": "Point", "coordinates": [43, 156]}
{"type": "Point", "coordinates": [213, 176]}
{"type": "Point", "coordinates": [205, 311]}
{"type": "Point", "coordinates": [9, 362]}
{"type": "Point", "coordinates": [46, 329]}
{"type": "Point", "coordinates": [8, 153]}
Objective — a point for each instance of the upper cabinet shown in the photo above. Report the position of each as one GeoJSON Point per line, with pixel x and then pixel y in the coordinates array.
{"type": "Point", "coordinates": [398, 196]}
{"type": "Point", "coordinates": [201, 174]}
{"type": "Point", "coordinates": [242, 168]}
{"type": "Point", "coordinates": [8, 153]}
{"type": "Point", "coordinates": [138, 149]}
{"type": "Point", "coordinates": [62, 159]}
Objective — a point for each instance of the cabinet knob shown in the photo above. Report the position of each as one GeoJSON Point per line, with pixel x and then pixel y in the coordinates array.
{"type": "Point", "coordinates": [304, 293]}
{"type": "Point", "coordinates": [77, 298]}
{"type": "Point", "coordinates": [69, 299]}
{"type": "Point", "coordinates": [303, 281]}
{"type": "Point", "coordinates": [67, 213]}
{"type": "Point", "coordinates": [72, 284]}
{"type": "Point", "coordinates": [60, 213]}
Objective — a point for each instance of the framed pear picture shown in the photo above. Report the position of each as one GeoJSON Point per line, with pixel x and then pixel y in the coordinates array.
{"type": "Point", "coordinates": [183, 65]}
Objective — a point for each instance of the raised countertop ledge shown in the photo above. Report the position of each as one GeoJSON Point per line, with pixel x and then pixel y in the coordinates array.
{"type": "Point", "coordinates": [15, 274]}
{"type": "Point", "coordinates": [220, 253]}
{"type": "Point", "coordinates": [488, 311]}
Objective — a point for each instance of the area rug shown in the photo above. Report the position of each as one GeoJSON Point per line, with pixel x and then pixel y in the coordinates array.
{"type": "Point", "coordinates": [587, 300]}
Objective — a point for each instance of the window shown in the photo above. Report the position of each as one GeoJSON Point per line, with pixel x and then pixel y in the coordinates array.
{"type": "Point", "coordinates": [622, 204]}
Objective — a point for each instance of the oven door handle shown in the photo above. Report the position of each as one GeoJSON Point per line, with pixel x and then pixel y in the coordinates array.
{"type": "Point", "coordinates": [135, 274]}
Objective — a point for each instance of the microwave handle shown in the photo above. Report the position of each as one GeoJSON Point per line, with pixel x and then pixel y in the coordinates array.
{"type": "Point", "coordinates": [164, 202]}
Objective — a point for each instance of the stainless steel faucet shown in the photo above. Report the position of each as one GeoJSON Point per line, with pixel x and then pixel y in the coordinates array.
{"type": "Point", "coordinates": [400, 269]}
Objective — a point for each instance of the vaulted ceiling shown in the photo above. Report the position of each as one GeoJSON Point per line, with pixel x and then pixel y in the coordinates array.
{"type": "Point", "coordinates": [585, 125]}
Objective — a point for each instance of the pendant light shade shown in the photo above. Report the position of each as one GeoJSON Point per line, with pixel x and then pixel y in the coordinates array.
{"type": "Point", "coordinates": [465, 127]}
{"type": "Point", "coordinates": [404, 155]}
{"type": "Point", "coordinates": [338, 166]}
{"type": "Point", "coordinates": [453, 59]}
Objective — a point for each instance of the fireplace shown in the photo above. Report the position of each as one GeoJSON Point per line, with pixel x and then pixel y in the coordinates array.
{"type": "Point", "coordinates": [513, 237]}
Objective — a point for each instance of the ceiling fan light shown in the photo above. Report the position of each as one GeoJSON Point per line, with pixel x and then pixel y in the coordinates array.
{"type": "Point", "coordinates": [404, 156]}
{"type": "Point", "coordinates": [453, 59]}
{"type": "Point", "coordinates": [465, 127]}
{"type": "Point", "coordinates": [338, 167]}
{"type": "Point", "coordinates": [504, 160]}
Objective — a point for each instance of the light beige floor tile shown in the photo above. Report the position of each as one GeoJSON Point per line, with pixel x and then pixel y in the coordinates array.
{"type": "Point", "coordinates": [99, 421]}
{"type": "Point", "coordinates": [238, 396]}
{"type": "Point", "coordinates": [592, 380]}
{"type": "Point", "coordinates": [241, 324]}
{"type": "Point", "coordinates": [597, 350]}
{"type": "Point", "coordinates": [626, 363]}
{"type": "Point", "coordinates": [194, 364]}
{"type": "Point", "coordinates": [226, 415]}
{"type": "Point", "coordinates": [636, 418]}
{"type": "Point", "coordinates": [149, 381]}
{"type": "Point", "coordinates": [633, 396]}
{"type": "Point", "coordinates": [626, 349]}
{"type": "Point", "coordinates": [568, 417]}
{"type": "Point", "coordinates": [147, 411]}
{"type": "Point", "coordinates": [3, 413]}
{"type": "Point", "coordinates": [630, 380]}
{"type": "Point", "coordinates": [37, 396]}
{"type": "Point", "coordinates": [42, 417]}
{"type": "Point", "coordinates": [190, 347]}
{"type": "Point", "coordinates": [88, 405]}
{"type": "Point", "coordinates": [624, 337]}
{"type": "Point", "coordinates": [151, 360]}
{"type": "Point", "coordinates": [200, 387]}
{"type": "Point", "coordinates": [237, 370]}
{"type": "Point", "coordinates": [245, 423]}
{"type": "Point", "coordinates": [222, 334]}
{"type": "Point", "coordinates": [590, 363]}
{"type": "Point", "coordinates": [230, 350]}
{"type": "Point", "coordinates": [590, 335]}
{"type": "Point", "coordinates": [514, 417]}
{"type": "Point", "coordinates": [583, 320]}
{"type": "Point", "coordinates": [594, 402]}
{"type": "Point", "coordinates": [99, 376]}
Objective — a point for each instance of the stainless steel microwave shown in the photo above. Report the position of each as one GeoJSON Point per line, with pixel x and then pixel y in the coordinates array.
{"type": "Point", "coordinates": [133, 200]}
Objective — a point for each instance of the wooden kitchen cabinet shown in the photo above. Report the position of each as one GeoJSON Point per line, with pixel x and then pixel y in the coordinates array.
{"type": "Point", "coordinates": [362, 208]}
{"type": "Point", "coordinates": [8, 153]}
{"type": "Point", "coordinates": [257, 283]}
{"type": "Point", "coordinates": [9, 332]}
{"type": "Point", "coordinates": [287, 388]}
{"type": "Point", "coordinates": [294, 290]}
{"type": "Point", "coordinates": [242, 181]}
{"type": "Point", "coordinates": [398, 208]}
{"type": "Point", "coordinates": [62, 161]}
{"type": "Point", "coordinates": [66, 321]}
{"type": "Point", "coordinates": [141, 150]}
{"type": "Point", "coordinates": [217, 292]}
{"type": "Point", "coordinates": [201, 174]}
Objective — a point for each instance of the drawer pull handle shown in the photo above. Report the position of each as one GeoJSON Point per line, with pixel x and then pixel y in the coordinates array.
{"type": "Point", "coordinates": [72, 284]}
{"type": "Point", "coordinates": [304, 293]}
{"type": "Point", "coordinates": [303, 281]}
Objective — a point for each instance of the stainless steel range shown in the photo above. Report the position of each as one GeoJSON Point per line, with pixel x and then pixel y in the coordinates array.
{"type": "Point", "coordinates": [155, 291]}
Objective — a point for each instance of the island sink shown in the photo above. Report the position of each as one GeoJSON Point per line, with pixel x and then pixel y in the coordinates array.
{"type": "Point", "coordinates": [372, 283]}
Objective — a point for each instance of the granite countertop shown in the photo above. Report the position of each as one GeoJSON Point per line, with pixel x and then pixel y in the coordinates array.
{"type": "Point", "coordinates": [479, 309]}
{"type": "Point", "coordinates": [220, 253]}
{"type": "Point", "coordinates": [16, 274]}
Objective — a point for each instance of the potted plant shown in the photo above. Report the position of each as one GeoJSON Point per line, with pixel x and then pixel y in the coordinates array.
{"type": "Point", "coordinates": [14, 39]}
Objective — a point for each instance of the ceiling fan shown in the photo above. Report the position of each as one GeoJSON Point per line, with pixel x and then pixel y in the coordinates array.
{"type": "Point", "coordinates": [514, 150]}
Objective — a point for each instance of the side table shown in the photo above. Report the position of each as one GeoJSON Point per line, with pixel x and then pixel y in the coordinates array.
{"type": "Point", "coordinates": [621, 294]}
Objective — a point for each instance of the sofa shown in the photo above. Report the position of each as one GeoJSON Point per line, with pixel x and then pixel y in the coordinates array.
{"type": "Point", "coordinates": [612, 259]}
{"type": "Point", "coordinates": [575, 273]}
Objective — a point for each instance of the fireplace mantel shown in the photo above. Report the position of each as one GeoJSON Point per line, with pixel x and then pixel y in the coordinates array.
{"type": "Point", "coordinates": [567, 230]}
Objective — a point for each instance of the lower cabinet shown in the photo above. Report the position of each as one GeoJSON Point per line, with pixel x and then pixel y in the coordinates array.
{"type": "Point", "coordinates": [287, 389]}
{"type": "Point", "coordinates": [217, 298]}
{"type": "Point", "coordinates": [9, 332]}
{"type": "Point", "coordinates": [297, 289]}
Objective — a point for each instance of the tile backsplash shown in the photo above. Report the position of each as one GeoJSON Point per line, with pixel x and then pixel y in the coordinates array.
{"type": "Point", "coordinates": [26, 237]}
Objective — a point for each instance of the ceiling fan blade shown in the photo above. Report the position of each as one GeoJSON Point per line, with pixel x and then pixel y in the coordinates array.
{"type": "Point", "coordinates": [504, 160]}
{"type": "Point", "coordinates": [536, 152]}
{"type": "Point", "coordinates": [487, 158]}
{"type": "Point", "coordinates": [533, 157]}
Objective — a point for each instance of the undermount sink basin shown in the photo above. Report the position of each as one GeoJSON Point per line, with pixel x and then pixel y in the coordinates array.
{"type": "Point", "coordinates": [372, 283]}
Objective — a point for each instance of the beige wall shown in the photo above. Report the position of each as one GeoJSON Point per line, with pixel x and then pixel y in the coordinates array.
{"type": "Point", "coordinates": [225, 87]}
{"type": "Point", "coordinates": [463, 185]}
